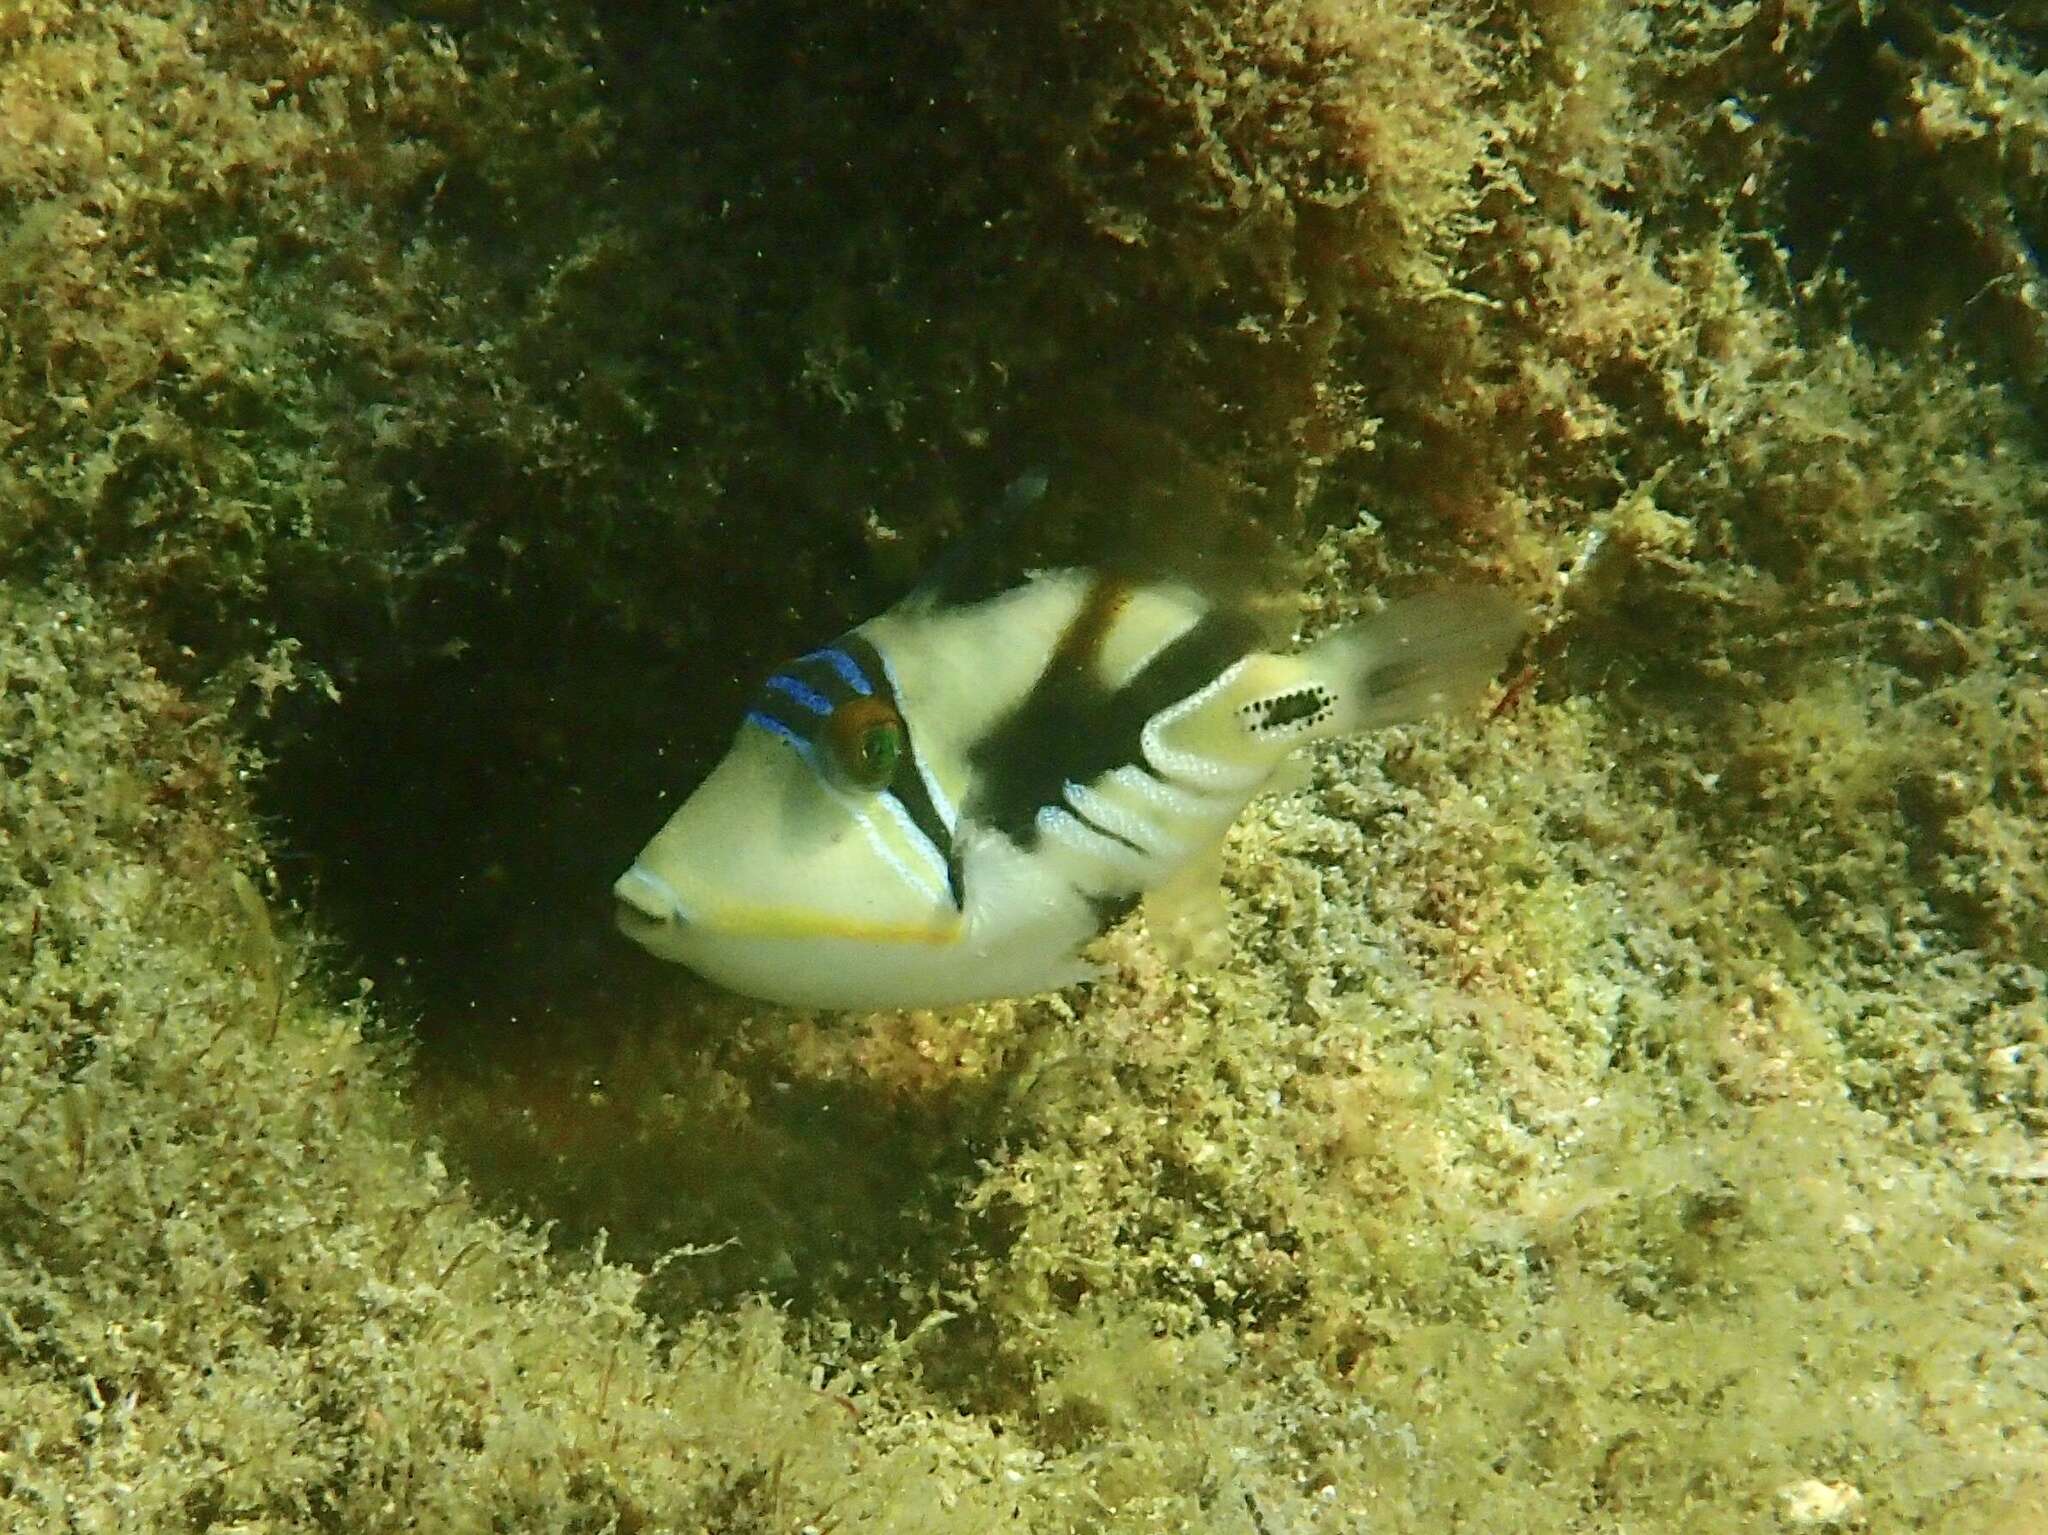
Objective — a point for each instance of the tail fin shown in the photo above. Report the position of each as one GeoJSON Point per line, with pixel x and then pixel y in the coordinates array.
{"type": "Point", "coordinates": [1422, 656]}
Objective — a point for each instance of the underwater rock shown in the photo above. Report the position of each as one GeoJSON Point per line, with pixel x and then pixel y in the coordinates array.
{"type": "Point", "coordinates": [424, 423]}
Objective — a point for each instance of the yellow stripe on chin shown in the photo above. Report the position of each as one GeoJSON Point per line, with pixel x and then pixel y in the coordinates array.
{"type": "Point", "coordinates": [780, 922]}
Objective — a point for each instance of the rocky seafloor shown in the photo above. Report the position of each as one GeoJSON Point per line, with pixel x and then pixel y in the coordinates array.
{"type": "Point", "coordinates": [1623, 1109]}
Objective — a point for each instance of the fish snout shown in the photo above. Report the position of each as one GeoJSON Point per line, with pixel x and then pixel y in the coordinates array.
{"type": "Point", "coordinates": [646, 903]}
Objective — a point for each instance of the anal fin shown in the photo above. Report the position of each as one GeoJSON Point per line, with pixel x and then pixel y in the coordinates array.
{"type": "Point", "coordinates": [1292, 774]}
{"type": "Point", "coordinates": [1186, 915]}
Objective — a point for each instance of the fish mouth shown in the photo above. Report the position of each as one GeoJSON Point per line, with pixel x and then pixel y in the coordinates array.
{"type": "Point", "coordinates": [646, 904]}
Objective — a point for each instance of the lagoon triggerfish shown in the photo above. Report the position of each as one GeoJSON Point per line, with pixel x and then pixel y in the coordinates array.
{"type": "Point", "coordinates": [950, 801]}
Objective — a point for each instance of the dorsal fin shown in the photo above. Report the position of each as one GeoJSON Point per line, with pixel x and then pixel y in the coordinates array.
{"type": "Point", "coordinates": [1134, 503]}
{"type": "Point", "coordinates": [983, 562]}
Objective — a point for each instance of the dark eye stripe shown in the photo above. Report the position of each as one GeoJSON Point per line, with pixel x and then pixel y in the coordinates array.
{"type": "Point", "coordinates": [797, 701]}
{"type": "Point", "coordinates": [908, 786]}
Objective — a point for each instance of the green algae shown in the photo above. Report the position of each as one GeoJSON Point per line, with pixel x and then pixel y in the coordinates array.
{"type": "Point", "coordinates": [1622, 1111]}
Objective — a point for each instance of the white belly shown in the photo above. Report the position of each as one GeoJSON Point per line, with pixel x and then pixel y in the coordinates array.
{"type": "Point", "coordinates": [1024, 924]}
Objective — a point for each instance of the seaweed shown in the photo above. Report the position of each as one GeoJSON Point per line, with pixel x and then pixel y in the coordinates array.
{"type": "Point", "coordinates": [423, 421]}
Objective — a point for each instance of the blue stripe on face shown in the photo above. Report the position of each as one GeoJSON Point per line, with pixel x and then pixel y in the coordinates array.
{"type": "Point", "coordinates": [848, 669]}
{"type": "Point", "coordinates": [817, 703]}
{"type": "Point", "coordinates": [913, 800]}
{"type": "Point", "coordinates": [776, 727]}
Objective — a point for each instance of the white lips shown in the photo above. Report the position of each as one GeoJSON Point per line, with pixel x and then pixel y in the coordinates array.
{"type": "Point", "coordinates": [649, 894]}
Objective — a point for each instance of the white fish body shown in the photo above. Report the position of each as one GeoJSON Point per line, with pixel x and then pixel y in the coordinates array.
{"type": "Point", "coordinates": [952, 800]}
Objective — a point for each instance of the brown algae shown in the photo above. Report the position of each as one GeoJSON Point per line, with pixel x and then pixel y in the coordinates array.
{"type": "Point", "coordinates": [1622, 1110]}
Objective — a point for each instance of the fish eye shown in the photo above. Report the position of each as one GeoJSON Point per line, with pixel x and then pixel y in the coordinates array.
{"type": "Point", "coordinates": [865, 740]}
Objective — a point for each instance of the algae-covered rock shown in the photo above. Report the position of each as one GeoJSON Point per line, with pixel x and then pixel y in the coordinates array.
{"type": "Point", "coordinates": [236, 1294]}
{"type": "Point", "coordinates": [419, 425]}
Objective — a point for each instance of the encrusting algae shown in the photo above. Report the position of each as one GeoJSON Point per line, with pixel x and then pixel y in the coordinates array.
{"type": "Point", "coordinates": [1622, 1105]}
